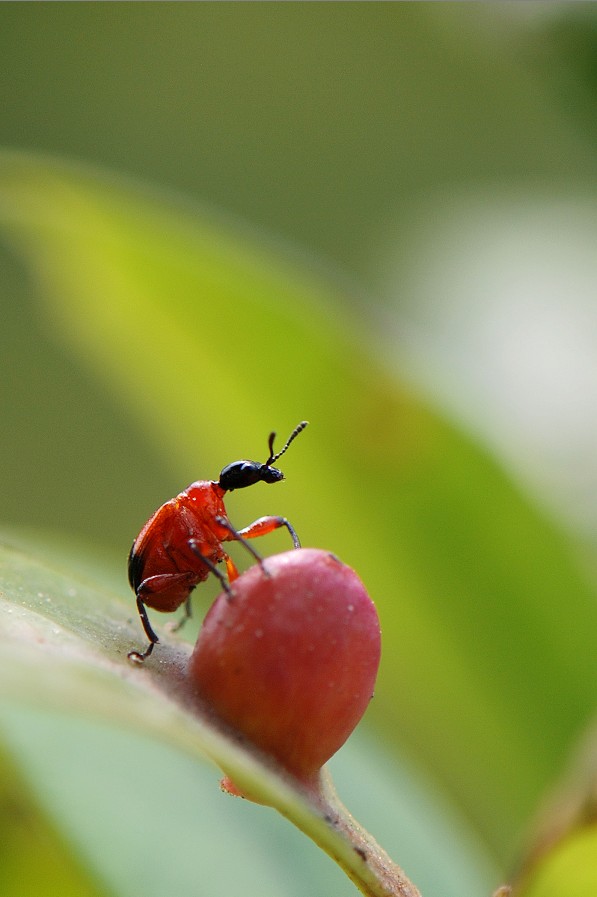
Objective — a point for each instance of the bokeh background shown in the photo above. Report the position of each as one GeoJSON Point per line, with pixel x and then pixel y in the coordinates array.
{"type": "Point", "coordinates": [412, 190]}
{"type": "Point", "coordinates": [440, 160]}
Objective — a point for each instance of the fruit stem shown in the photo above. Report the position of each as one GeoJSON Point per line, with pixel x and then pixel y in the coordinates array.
{"type": "Point", "coordinates": [364, 861]}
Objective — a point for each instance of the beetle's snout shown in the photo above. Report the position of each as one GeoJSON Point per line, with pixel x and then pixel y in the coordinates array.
{"type": "Point", "coordinates": [271, 474]}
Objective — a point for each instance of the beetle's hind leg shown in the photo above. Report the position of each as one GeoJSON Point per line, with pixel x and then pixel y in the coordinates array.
{"type": "Point", "coordinates": [188, 613]}
{"type": "Point", "coordinates": [169, 590]}
{"type": "Point", "coordinates": [138, 656]}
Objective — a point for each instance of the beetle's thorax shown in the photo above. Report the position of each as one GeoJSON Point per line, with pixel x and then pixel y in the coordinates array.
{"type": "Point", "coordinates": [206, 497]}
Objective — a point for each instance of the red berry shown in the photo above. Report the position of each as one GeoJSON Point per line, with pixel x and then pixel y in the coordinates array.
{"type": "Point", "coordinates": [290, 660]}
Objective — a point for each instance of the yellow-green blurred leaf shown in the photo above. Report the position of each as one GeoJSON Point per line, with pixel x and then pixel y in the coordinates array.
{"type": "Point", "coordinates": [34, 860]}
{"type": "Point", "coordinates": [568, 870]}
{"type": "Point", "coordinates": [561, 856]}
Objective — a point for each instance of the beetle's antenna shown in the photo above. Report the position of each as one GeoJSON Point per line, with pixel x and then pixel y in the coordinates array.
{"type": "Point", "coordinates": [272, 436]}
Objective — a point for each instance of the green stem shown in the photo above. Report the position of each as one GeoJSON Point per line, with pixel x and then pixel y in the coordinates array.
{"type": "Point", "coordinates": [355, 850]}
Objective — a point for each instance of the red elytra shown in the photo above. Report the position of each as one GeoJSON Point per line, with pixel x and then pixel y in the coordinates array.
{"type": "Point", "coordinates": [291, 661]}
{"type": "Point", "coordinates": [181, 544]}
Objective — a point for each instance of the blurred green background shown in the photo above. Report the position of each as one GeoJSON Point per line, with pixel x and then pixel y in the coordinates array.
{"type": "Point", "coordinates": [357, 133]}
{"type": "Point", "coordinates": [388, 216]}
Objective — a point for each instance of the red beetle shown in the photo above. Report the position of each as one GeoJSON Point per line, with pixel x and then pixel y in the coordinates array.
{"type": "Point", "coordinates": [182, 542]}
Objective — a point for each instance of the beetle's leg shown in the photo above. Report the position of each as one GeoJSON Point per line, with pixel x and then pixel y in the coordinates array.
{"type": "Point", "coordinates": [231, 568]}
{"type": "Point", "coordinates": [188, 613]}
{"type": "Point", "coordinates": [261, 527]}
{"type": "Point", "coordinates": [137, 656]}
{"type": "Point", "coordinates": [171, 590]}
{"type": "Point", "coordinates": [193, 545]}
{"type": "Point", "coordinates": [240, 536]}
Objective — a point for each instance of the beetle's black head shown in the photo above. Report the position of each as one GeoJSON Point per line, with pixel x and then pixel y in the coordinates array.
{"type": "Point", "coordinates": [240, 474]}
{"type": "Point", "coordinates": [245, 473]}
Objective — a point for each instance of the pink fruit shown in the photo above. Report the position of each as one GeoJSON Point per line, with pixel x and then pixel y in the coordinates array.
{"type": "Point", "coordinates": [290, 660]}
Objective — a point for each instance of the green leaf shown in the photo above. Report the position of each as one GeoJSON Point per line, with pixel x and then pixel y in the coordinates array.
{"type": "Point", "coordinates": [83, 637]}
{"type": "Point", "coordinates": [568, 870]}
{"type": "Point", "coordinates": [213, 339]}
{"type": "Point", "coordinates": [26, 833]}
{"type": "Point", "coordinates": [561, 856]}
{"type": "Point", "coordinates": [81, 733]}
{"type": "Point", "coordinates": [93, 780]}
{"type": "Point", "coordinates": [63, 646]}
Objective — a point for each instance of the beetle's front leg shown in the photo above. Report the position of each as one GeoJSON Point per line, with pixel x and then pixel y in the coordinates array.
{"type": "Point", "coordinates": [267, 525]}
{"type": "Point", "coordinates": [240, 536]}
